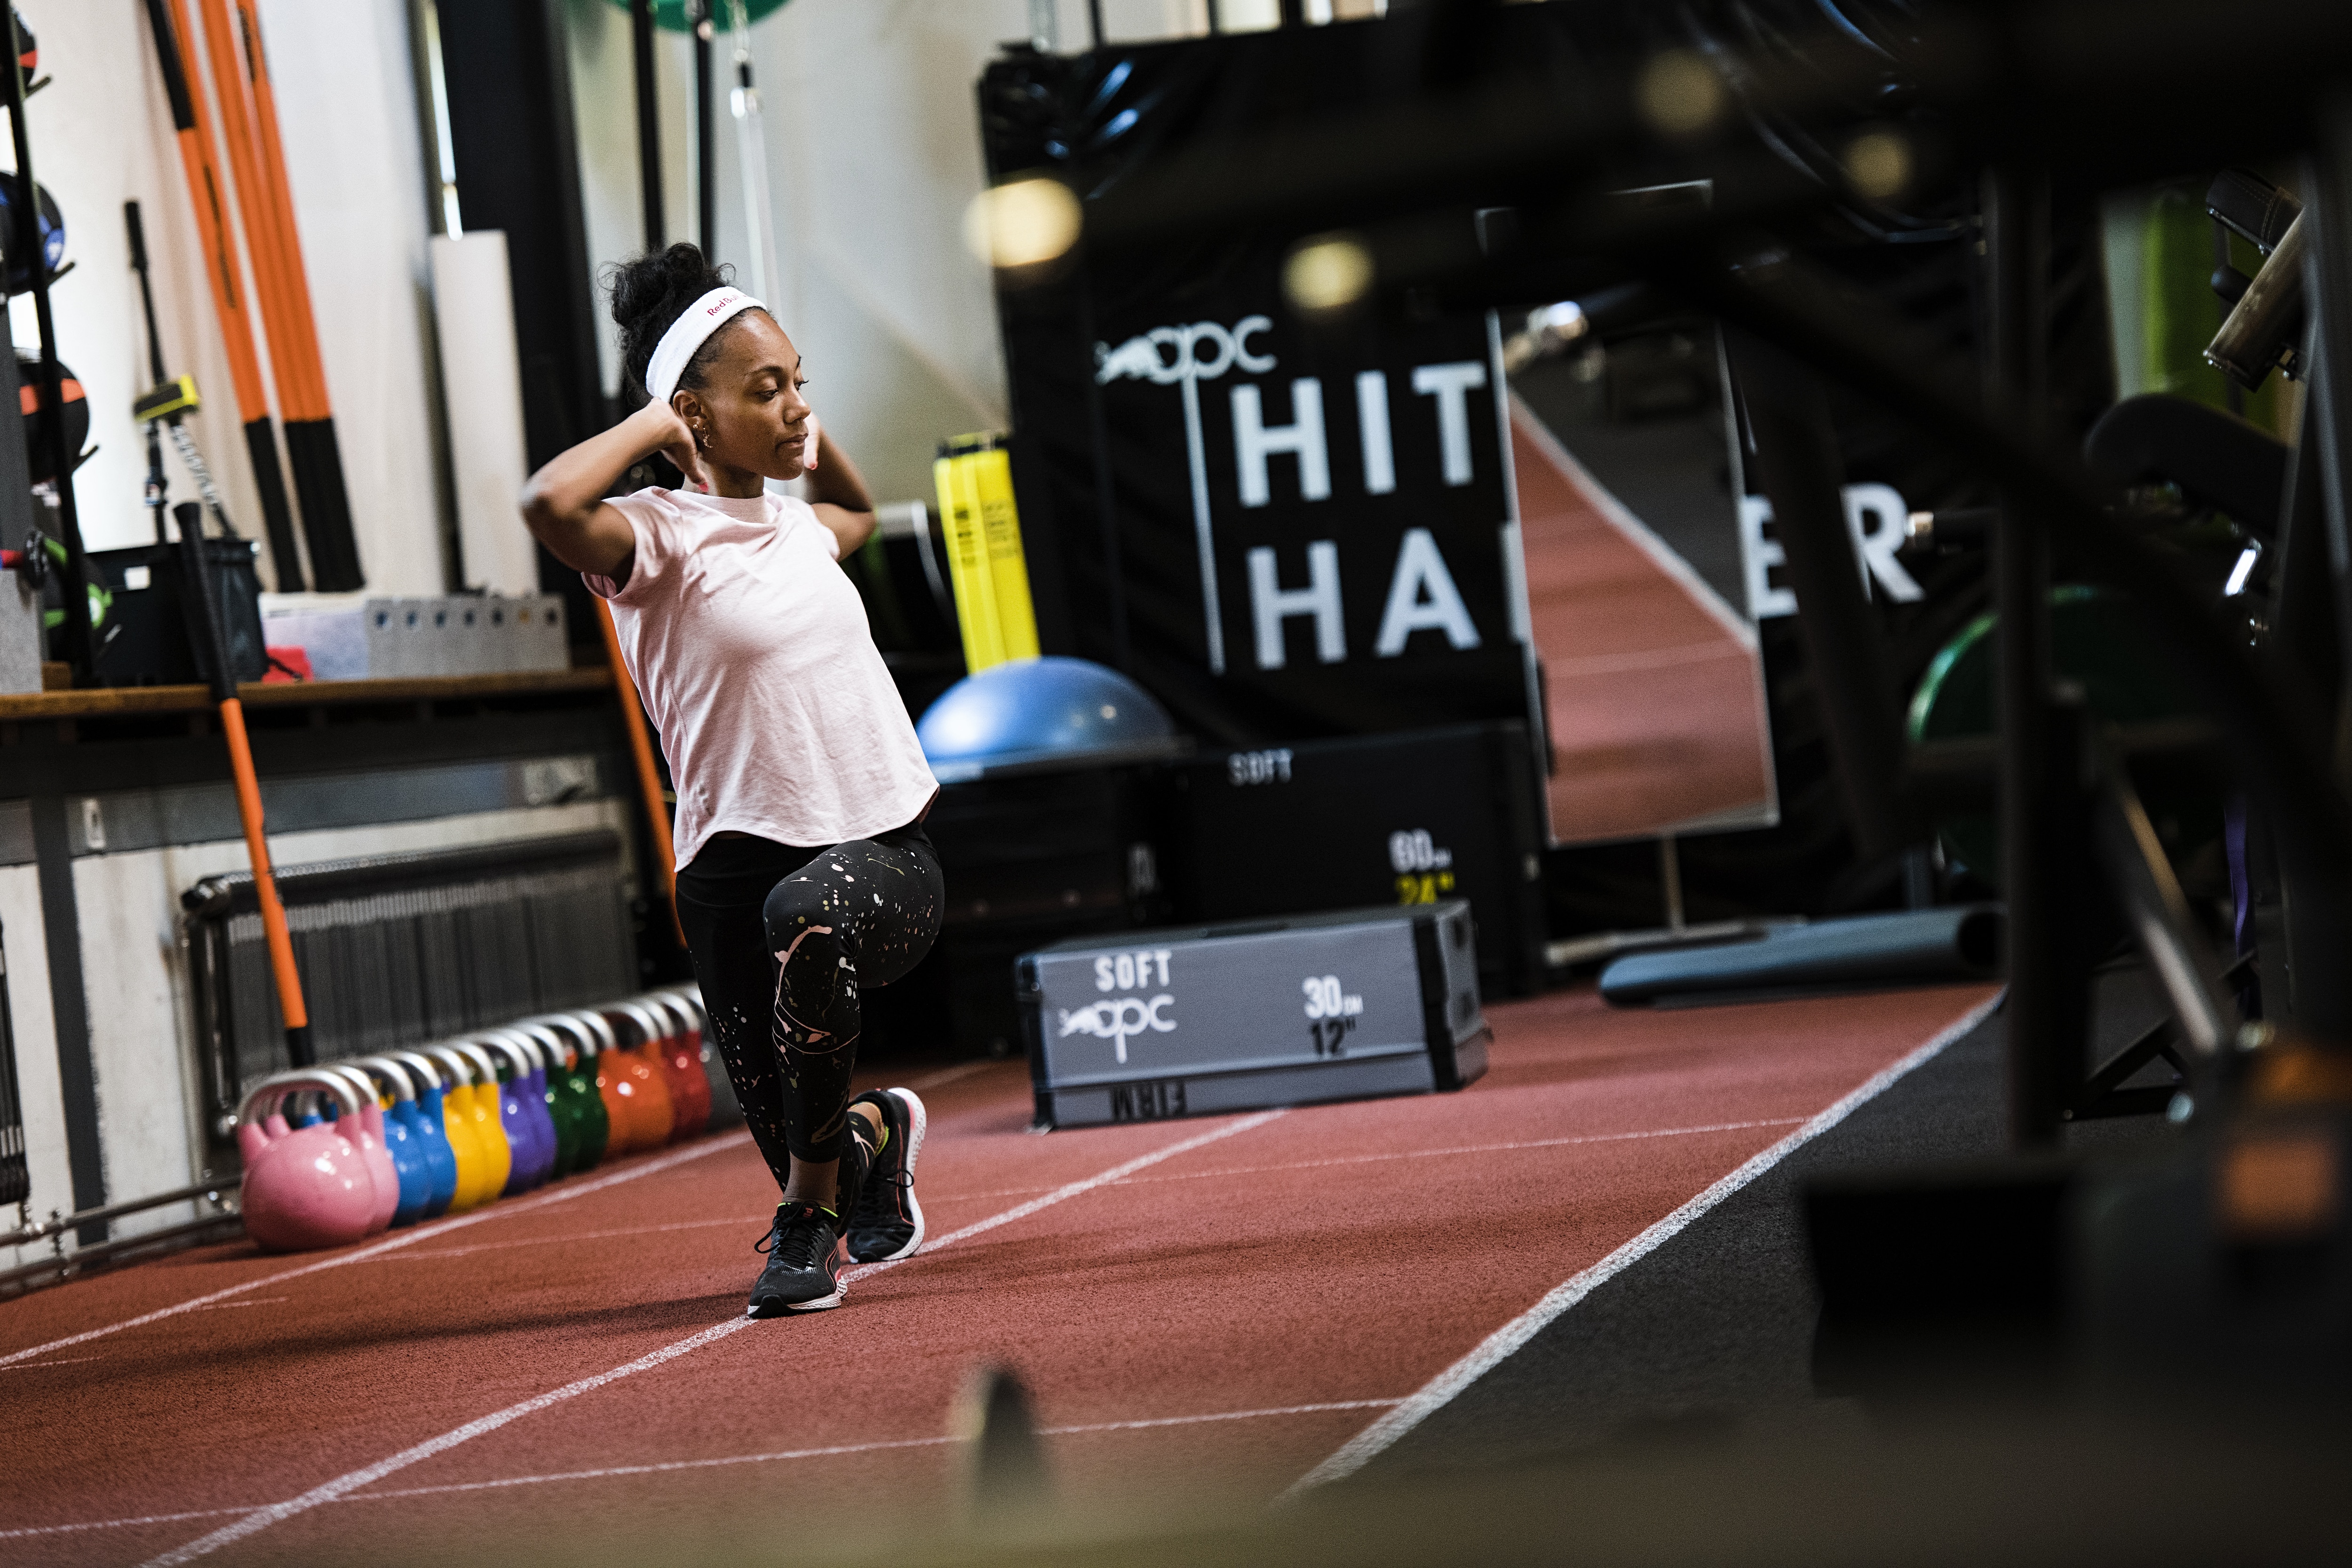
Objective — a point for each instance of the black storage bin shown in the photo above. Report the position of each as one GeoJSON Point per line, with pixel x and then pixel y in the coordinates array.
{"type": "Point", "coordinates": [1033, 858]}
{"type": "Point", "coordinates": [1413, 818]}
{"type": "Point", "coordinates": [147, 640]}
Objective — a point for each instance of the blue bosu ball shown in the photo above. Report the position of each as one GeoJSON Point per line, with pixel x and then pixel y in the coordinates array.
{"type": "Point", "coordinates": [1040, 712]}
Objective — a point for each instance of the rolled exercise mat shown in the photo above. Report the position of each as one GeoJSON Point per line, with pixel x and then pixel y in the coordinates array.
{"type": "Point", "coordinates": [1916, 947]}
{"type": "Point", "coordinates": [481, 380]}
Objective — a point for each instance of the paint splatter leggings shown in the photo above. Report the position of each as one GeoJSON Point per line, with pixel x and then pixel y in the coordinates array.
{"type": "Point", "coordinates": [781, 939]}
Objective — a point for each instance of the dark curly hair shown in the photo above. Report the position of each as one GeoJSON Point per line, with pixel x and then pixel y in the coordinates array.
{"type": "Point", "coordinates": [651, 292]}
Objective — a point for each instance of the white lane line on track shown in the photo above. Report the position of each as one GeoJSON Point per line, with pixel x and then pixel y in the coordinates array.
{"type": "Point", "coordinates": [405, 1239]}
{"type": "Point", "coordinates": [116, 1523]}
{"type": "Point", "coordinates": [1505, 1342]}
{"type": "Point", "coordinates": [663, 1468]}
{"type": "Point", "coordinates": [935, 1199]}
{"type": "Point", "coordinates": [262, 1519]}
{"type": "Point", "coordinates": [70, 1361]}
{"type": "Point", "coordinates": [258, 1302]}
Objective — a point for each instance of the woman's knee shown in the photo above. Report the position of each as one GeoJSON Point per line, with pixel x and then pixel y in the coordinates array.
{"type": "Point", "coordinates": [799, 910]}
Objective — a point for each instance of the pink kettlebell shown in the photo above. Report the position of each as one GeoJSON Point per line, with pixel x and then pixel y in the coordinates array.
{"type": "Point", "coordinates": [311, 1186]}
{"type": "Point", "coordinates": [373, 1147]}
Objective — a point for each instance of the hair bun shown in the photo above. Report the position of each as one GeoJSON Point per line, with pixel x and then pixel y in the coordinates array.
{"type": "Point", "coordinates": [652, 291]}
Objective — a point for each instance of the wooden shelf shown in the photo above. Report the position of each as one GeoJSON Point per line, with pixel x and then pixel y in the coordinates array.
{"type": "Point", "coordinates": [108, 701]}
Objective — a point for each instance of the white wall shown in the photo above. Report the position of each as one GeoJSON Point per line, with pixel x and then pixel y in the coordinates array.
{"type": "Point", "coordinates": [873, 142]}
{"type": "Point", "coordinates": [102, 134]}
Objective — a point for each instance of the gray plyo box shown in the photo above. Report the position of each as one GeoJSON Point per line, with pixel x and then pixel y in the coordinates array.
{"type": "Point", "coordinates": [1253, 1014]}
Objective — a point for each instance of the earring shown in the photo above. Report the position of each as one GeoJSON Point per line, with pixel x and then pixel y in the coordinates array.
{"type": "Point", "coordinates": [702, 439]}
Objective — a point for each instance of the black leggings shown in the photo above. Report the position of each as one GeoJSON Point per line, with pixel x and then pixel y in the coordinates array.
{"type": "Point", "coordinates": [782, 938]}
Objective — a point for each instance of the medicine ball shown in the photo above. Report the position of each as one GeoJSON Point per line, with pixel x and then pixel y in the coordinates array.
{"type": "Point", "coordinates": [37, 418]}
{"type": "Point", "coordinates": [14, 271]}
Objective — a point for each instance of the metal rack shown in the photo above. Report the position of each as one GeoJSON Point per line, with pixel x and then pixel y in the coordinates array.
{"type": "Point", "coordinates": [26, 243]}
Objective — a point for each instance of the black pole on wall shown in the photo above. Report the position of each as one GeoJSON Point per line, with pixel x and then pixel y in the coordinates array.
{"type": "Point", "coordinates": [641, 37]}
{"type": "Point", "coordinates": [706, 137]}
{"type": "Point", "coordinates": [26, 242]}
{"type": "Point", "coordinates": [1094, 21]}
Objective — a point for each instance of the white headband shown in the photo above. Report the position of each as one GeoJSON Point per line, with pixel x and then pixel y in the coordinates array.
{"type": "Point", "coordinates": [689, 333]}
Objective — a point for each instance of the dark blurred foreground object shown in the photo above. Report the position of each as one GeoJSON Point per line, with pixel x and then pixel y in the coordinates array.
{"type": "Point", "coordinates": [1008, 1486]}
{"type": "Point", "coordinates": [2213, 1276]}
{"type": "Point", "coordinates": [2184, 1488]}
{"type": "Point", "coordinates": [1914, 947]}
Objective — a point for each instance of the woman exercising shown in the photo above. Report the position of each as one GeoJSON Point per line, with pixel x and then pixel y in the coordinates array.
{"type": "Point", "coordinates": [804, 872]}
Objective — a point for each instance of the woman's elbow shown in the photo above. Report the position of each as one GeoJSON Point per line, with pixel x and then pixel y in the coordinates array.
{"type": "Point", "coordinates": [541, 513]}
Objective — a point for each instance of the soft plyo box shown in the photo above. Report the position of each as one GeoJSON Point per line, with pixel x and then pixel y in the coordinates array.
{"type": "Point", "coordinates": [1205, 1019]}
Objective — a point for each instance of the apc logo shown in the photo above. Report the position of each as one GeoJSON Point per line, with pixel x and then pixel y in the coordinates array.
{"type": "Point", "coordinates": [1118, 1020]}
{"type": "Point", "coordinates": [1166, 355]}
{"type": "Point", "coordinates": [1422, 592]}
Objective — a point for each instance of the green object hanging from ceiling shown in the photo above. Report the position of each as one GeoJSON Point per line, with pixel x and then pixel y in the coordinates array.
{"type": "Point", "coordinates": [670, 15]}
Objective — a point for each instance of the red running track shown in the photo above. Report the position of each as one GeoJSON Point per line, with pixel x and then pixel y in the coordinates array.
{"type": "Point", "coordinates": [1218, 1305]}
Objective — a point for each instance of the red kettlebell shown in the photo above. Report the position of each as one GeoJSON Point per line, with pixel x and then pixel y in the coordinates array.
{"type": "Point", "coordinates": [642, 1063]}
{"type": "Point", "coordinates": [311, 1186]}
{"type": "Point", "coordinates": [693, 1084]}
{"type": "Point", "coordinates": [690, 1099]}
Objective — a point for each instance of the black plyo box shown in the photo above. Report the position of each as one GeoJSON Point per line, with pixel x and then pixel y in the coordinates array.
{"type": "Point", "coordinates": [1403, 818]}
{"type": "Point", "coordinates": [1148, 1025]}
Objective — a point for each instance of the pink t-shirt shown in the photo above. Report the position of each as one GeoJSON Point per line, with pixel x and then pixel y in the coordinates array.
{"type": "Point", "coordinates": [751, 650]}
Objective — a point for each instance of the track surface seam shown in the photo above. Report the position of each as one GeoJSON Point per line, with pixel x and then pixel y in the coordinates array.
{"type": "Point", "coordinates": [1500, 1345]}
{"type": "Point", "coordinates": [262, 1519]}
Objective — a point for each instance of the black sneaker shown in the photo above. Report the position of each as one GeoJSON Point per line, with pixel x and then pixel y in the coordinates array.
{"type": "Point", "coordinates": [803, 1272]}
{"type": "Point", "coordinates": [885, 1223]}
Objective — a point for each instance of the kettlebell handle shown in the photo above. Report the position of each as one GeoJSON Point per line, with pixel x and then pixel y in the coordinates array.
{"type": "Point", "coordinates": [263, 1096]}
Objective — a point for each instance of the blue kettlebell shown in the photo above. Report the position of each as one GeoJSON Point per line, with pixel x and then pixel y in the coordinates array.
{"type": "Point", "coordinates": [432, 1132]}
{"type": "Point", "coordinates": [402, 1139]}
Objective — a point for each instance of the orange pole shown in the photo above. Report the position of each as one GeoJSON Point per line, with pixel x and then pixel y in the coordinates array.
{"type": "Point", "coordinates": [206, 194]}
{"type": "Point", "coordinates": [212, 224]}
{"type": "Point", "coordinates": [265, 881]}
{"type": "Point", "coordinates": [641, 746]}
{"type": "Point", "coordinates": [270, 155]}
{"type": "Point", "coordinates": [263, 244]}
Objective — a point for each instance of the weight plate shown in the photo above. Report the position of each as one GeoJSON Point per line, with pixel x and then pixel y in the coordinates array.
{"type": "Point", "coordinates": [18, 275]}
{"type": "Point", "coordinates": [37, 425]}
